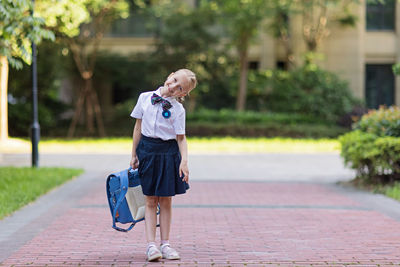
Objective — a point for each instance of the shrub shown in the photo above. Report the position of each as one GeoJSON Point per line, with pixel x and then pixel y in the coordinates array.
{"type": "Point", "coordinates": [226, 122]}
{"type": "Point", "coordinates": [306, 90]}
{"type": "Point", "coordinates": [272, 129]}
{"type": "Point", "coordinates": [373, 148]}
{"type": "Point", "coordinates": [381, 122]}
{"type": "Point", "coordinates": [20, 117]}
{"type": "Point", "coordinates": [249, 117]}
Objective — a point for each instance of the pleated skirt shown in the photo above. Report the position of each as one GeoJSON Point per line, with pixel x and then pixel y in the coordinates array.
{"type": "Point", "coordinates": [159, 162]}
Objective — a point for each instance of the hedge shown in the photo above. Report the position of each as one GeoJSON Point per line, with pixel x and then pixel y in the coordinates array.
{"type": "Point", "coordinates": [373, 147]}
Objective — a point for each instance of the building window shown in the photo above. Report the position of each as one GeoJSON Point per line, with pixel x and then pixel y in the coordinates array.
{"type": "Point", "coordinates": [253, 65]}
{"type": "Point", "coordinates": [381, 15]}
{"type": "Point", "coordinates": [379, 85]}
{"type": "Point", "coordinates": [281, 65]}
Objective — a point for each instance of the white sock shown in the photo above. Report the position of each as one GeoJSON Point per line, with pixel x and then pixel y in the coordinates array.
{"type": "Point", "coordinates": [150, 244]}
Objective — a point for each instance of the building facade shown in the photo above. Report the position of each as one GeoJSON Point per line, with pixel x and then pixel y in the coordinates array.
{"type": "Point", "coordinates": [362, 55]}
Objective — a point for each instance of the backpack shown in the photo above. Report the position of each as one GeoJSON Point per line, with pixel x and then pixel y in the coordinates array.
{"type": "Point", "coordinates": [125, 198]}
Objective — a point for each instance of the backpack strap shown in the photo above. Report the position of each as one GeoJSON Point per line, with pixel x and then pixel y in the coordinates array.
{"type": "Point", "coordinates": [124, 183]}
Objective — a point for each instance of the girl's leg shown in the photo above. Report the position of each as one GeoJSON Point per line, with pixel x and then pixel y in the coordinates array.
{"type": "Point", "coordinates": [151, 218]}
{"type": "Point", "coordinates": [165, 226]}
{"type": "Point", "coordinates": [165, 217]}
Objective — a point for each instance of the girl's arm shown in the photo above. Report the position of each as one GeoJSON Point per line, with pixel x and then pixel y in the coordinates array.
{"type": "Point", "coordinates": [183, 167]}
{"type": "Point", "coordinates": [137, 134]}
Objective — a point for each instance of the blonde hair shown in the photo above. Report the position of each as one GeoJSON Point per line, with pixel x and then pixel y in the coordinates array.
{"type": "Point", "coordinates": [192, 82]}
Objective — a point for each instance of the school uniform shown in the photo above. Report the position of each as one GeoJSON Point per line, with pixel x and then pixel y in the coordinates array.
{"type": "Point", "coordinates": [158, 151]}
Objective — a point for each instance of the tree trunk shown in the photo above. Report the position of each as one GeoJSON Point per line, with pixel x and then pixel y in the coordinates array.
{"type": "Point", "coordinates": [88, 102]}
{"type": "Point", "coordinates": [89, 108]}
{"type": "Point", "coordinates": [97, 111]}
{"type": "Point", "coordinates": [78, 110]}
{"type": "Point", "coordinates": [3, 98]}
{"type": "Point", "coordinates": [88, 97]}
{"type": "Point", "coordinates": [242, 94]}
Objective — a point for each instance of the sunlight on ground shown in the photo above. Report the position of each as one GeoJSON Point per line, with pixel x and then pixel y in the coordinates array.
{"type": "Point", "coordinates": [15, 145]}
{"type": "Point", "coordinates": [196, 145]}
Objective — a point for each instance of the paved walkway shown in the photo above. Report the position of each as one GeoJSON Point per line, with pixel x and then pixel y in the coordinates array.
{"type": "Point", "coordinates": [241, 210]}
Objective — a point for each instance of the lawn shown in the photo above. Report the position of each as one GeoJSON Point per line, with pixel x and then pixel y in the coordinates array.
{"type": "Point", "coordinates": [196, 145]}
{"type": "Point", "coordinates": [20, 186]}
{"type": "Point", "coordinates": [393, 191]}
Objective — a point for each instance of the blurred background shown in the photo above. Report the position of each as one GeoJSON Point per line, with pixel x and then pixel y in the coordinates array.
{"type": "Point", "coordinates": [291, 68]}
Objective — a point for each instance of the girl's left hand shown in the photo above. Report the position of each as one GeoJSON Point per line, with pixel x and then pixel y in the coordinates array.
{"type": "Point", "coordinates": [184, 171]}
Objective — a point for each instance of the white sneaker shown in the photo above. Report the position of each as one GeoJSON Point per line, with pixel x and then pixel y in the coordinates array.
{"type": "Point", "coordinates": [169, 253]}
{"type": "Point", "coordinates": [153, 254]}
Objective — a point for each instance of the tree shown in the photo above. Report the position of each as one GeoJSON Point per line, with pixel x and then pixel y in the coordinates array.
{"type": "Point", "coordinates": [316, 17]}
{"type": "Point", "coordinates": [185, 40]}
{"type": "Point", "coordinates": [241, 20]}
{"type": "Point", "coordinates": [18, 29]}
{"type": "Point", "coordinates": [317, 13]}
{"type": "Point", "coordinates": [279, 26]}
{"type": "Point", "coordinates": [81, 25]}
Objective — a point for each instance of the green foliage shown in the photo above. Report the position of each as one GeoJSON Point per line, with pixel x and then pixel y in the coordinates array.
{"type": "Point", "coordinates": [374, 157]}
{"type": "Point", "coordinates": [128, 75]}
{"type": "Point", "coordinates": [306, 90]}
{"type": "Point", "coordinates": [226, 122]}
{"type": "Point", "coordinates": [393, 191]}
{"type": "Point", "coordinates": [189, 38]}
{"type": "Point", "coordinates": [354, 147]}
{"type": "Point", "coordinates": [396, 69]}
{"type": "Point", "coordinates": [20, 118]}
{"type": "Point", "coordinates": [241, 18]}
{"type": "Point", "coordinates": [20, 89]}
{"type": "Point", "coordinates": [248, 117]}
{"type": "Point", "coordinates": [18, 29]}
{"type": "Point", "coordinates": [373, 149]}
{"type": "Point", "coordinates": [20, 186]}
{"type": "Point", "coordinates": [269, 129]}
{"type": "Point", "coordinates": [381, 122]}
{"type": "Point", "coordinates": [66, 17]}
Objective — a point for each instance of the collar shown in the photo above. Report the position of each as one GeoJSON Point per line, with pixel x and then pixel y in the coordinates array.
{"type": "Point", "coordinates": [158, 92]}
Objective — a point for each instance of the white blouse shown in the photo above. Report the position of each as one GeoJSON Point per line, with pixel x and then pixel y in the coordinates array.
{"type": "Point", "coordinates": [153, 123]}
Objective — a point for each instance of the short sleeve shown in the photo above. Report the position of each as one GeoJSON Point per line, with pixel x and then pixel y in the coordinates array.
{"type": "Point", "coordinates": [137, 111]}
{"type": "Point", "coordinates": [179, 123]}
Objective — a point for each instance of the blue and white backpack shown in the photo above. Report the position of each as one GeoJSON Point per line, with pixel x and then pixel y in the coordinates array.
{"type": "Point", "coordinates": [125, 198]}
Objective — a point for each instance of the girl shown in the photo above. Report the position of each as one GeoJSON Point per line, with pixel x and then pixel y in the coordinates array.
{"type": "Point", "coordinates": [160, 152]}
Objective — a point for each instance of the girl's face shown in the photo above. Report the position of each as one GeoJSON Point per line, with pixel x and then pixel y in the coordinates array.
{"type": "Point", "coordinates": [176, 85]}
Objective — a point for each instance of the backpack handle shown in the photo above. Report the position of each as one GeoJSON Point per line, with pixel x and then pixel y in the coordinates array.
{"type": "Point", "coordinates": [124, 189]}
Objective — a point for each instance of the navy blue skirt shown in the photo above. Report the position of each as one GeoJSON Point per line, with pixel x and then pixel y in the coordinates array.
{"type": "Point", "coordinates": [159, 162]}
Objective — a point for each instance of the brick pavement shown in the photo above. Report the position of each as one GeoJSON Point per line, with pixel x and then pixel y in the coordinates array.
{"type": "Point", "coordinates": [224, 223]}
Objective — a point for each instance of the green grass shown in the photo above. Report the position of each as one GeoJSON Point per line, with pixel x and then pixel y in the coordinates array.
{"type": "Point", "coordinates": [393, 191]}
{"type": "Point", "coordinates": [20, 186]}
{"type": "Point", "coordinates": [196, 145]}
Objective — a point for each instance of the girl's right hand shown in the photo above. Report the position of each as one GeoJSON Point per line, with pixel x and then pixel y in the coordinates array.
{"type": "Point", "coordinates": [134, 162]}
